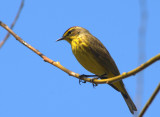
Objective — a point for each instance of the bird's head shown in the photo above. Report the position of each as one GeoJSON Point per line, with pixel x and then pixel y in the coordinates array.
{"type": "Point", "coordinates": [73, 33]}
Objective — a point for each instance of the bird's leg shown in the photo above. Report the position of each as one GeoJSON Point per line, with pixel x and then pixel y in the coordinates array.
{"type": "Point", "coordinates": [92, 81]}
{"type": "Point", "coordinates": [104, 76]}
{"type": "Point", "coordinates": [83, 75]}
{"type": "Point", "coordinates": [94, 84]}
{"type": "Point", "coordinates": [81, 81]}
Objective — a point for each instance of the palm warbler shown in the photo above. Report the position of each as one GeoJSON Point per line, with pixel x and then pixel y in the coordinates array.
{"type": "Point", "coordinates": [94, 57]}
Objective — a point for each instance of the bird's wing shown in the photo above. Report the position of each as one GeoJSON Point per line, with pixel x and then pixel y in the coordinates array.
{"type": "Point", "coordinates": [101, 55]}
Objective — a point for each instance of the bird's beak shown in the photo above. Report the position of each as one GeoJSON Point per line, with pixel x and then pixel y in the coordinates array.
{"type": "Point", "coordinates": [60, 39]}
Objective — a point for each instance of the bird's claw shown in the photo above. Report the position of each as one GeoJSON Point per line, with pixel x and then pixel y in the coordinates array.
{"type": "Point", "coordinates": [81, 81]}
{"type": "Point", "coordinates": [82, 76]}
{"type": "Point", "coordinates": [94, 84]}
{"type": "Point", "coordinates": [92, 80]}
{"type": "Point", "coordinates": [97, 77]}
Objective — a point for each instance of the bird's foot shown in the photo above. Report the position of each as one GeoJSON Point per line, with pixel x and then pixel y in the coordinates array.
{"type": "Point", "coordinates": [81, 81]}
{"type": "Point", "coordinates": [92, 81]}
{"type": "Point", "coordinates": [104, 76]}
{"type": "Point", "coordinates": [82, 76]}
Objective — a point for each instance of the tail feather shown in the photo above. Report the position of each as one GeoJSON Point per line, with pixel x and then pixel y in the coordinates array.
{"type": "Point", "coordinates": [129, 102]}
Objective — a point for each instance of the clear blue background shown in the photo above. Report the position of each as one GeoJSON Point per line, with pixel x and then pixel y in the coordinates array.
{"type": "Point", "coordinates": [30, 87]}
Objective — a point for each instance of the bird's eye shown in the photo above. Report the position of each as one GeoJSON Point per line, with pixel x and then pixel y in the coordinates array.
{"type": "Point", "coordinates": [69, 32]}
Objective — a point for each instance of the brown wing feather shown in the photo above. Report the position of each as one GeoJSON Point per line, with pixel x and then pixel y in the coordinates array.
{"type": "Point", "coordinates": [102, 55]}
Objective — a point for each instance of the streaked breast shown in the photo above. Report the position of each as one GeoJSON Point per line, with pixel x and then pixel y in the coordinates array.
{"type": "Point", "coordinates": [81, 51]}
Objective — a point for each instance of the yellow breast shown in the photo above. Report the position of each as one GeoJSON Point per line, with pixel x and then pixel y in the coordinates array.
{"type": "Point", "coordinates": [82, 53]}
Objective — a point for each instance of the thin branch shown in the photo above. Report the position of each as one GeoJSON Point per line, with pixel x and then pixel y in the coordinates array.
{"type": "Point", "coordinates": [150, 100]}
{"type": "Point", "coordinates": [141, 53]}
{"type": "Point", "coordinates": [96, 81]}
{"type": "Point", "coordinates": [13, 23]}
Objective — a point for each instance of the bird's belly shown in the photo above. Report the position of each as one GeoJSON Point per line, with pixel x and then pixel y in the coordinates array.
{"type": "Point", "coordinates": [88, 61]}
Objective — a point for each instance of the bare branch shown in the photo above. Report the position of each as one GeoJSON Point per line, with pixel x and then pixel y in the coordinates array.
{"type": "Point", "coordinates": [96, 81]}
{"type": "Point", "coordinates": [141, 53]}
{"type": "Point", "coordinates": [150, 100]}
{"type": "Point", "coordinates": [12, 25]}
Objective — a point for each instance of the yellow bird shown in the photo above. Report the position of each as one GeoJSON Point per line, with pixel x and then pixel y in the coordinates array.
{"type": "Point", "coordinates": [94, 57]}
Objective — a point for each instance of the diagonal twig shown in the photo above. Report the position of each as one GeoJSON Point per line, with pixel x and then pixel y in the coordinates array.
{"type": "Point", "coordinates": [150, 100]}
{"type": "Point", "coordinates": [12, 25]}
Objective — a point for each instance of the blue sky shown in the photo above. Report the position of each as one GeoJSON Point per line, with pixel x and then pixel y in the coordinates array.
{"type": "Point", "coordinates": [29, 87]}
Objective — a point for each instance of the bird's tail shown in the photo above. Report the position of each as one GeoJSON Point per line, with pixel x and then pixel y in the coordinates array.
{"type": "Point", "coordinates": [129, 102]}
